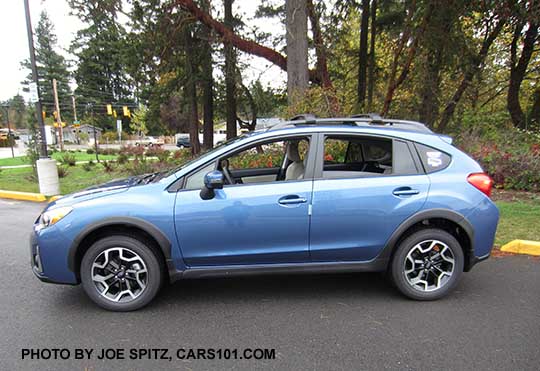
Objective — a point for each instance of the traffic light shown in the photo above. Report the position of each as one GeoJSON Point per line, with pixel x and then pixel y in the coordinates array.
{"type": "Point", "coordinates": [55, 114]}
{"type": "Point", "coordinates": [126, 111]}
{"type": "Point", "coordinates": [43, 114]}
{"type": "Point", "coordinates": [109, 109]}
{"type": "Point", "coordinates": [115, 115]}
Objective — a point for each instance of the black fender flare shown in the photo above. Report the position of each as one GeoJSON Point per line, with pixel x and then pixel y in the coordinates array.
{"type": "Point", "coordinates": [131, 222]}
{"type": "Point", "coordinates": [451, 215]}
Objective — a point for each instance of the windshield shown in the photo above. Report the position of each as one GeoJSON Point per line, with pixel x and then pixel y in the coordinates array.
{"type": "Point", "coordinates": [205, 154]}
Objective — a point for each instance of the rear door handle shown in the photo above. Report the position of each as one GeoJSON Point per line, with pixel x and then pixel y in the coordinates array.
{"type": "Point", "coordinates": [405, 191]}
{"type": "Point", "coordinates": [292, 200]}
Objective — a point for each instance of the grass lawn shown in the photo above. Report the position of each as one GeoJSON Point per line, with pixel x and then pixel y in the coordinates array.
{"type": "Point", "coordinates": [519, 220]}
{"type": "Point", "coordinates": [79, 156]}
{"type": "Point", "coordinates": [76, 179]}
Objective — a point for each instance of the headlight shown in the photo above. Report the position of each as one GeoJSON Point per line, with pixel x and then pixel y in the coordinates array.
{"type": "Point", "coordinates": [51, 217]}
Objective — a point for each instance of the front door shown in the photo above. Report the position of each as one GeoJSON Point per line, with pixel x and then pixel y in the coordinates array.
{"type": "Point", "coordinates": [263, 221]}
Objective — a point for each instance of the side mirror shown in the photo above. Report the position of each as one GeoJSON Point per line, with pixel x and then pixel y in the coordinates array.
{"type": "Point", "coordinates": [213, 180]}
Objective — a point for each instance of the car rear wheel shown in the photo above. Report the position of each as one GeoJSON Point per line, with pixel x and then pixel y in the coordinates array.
{"type": "Point", "coordinates": [427, 264]}
{"type": "Point", "coordinates": [121, 273]}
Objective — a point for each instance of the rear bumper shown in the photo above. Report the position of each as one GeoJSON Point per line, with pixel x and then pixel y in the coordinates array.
{"type": "Point", "coordinates": [484, 219]}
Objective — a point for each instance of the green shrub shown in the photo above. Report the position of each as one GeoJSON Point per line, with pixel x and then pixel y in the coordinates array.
{"type": "Point", "coordinates": [90, 151]}
{"type": "Point", "coordinates": [107, 166]}
{"type": "Point", "coordinates": [87, 167]}
{"type": "Point", "coordinates": [62, 171]}
{"type": "Point", "coordinates": [512, 158]}
{"type": "Point", "coordinates": [68, 159]}
{"type": "Point", "coordinates": [122, 158]}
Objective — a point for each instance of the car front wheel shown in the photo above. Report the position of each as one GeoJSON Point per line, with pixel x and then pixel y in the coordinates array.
{"type": "Point", "coordinates": [427, 264]}
{"type": "Point", "coordinates": [121, 273]}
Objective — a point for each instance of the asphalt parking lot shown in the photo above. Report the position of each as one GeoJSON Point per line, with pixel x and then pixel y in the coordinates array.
{"type": "Point", "coordinates": [321, 322]}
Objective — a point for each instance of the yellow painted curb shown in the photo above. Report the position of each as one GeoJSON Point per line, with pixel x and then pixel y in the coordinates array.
{"type": "Point", "coordinates": [24, 196]}
{"type": "Point", "coordinates": [522, 247]}
{"type": "Point", "coordinates": [54, 198]}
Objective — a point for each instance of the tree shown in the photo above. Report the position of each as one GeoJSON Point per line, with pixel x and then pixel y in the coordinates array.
{"type": "Point", "coordinates": [363, 56]}
{"type": "Point", "coordinates": [493, 27]}
{"type": "Point", "coordinates": [230, 73]}
{"type": "Point", "coordinates": [50, 65]}
{"type": "Point", "coordinates": [409, 41]}
{"type": "Point", "coordinates": [138, 121]}
{"type": "Point", "coordinates": [207, 84]}
{"type": "Point", "coordinates": [297, 49]}
{"type": "Point", "coordinates": [527, 17]}
{"type": "Point", "coordinates": [101, 74]}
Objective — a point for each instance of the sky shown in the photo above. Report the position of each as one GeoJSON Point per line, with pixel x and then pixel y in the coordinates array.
{"type": "Point", "coordinates": [14, 41]}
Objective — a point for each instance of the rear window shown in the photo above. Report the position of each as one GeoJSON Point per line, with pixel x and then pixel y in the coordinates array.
{"type": "Point", "coordinates": [432, 159]}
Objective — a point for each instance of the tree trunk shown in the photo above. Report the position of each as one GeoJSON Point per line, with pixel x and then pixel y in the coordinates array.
{"type": "Point", "coordinates": [297, 50]}
{"type": "Point", "coordinates": [518, 68]}
{"type": "Point", "coordinates": [435, 43]}
{"type": "Point", "coordinates": [393, 82]}
{"type": "Point", "coordinates": [191, 94]}
{"type": "Point", "coordinates": [322, 61]}
{"type": "Point", "coordinates": [320, 51]}
{"type": "Point", "coordinates": [363, 57]}
{"type": "Point", "coordinates": [371, 65]}
{"type": "Point", "coordinates": [230, 72]}
{"type": "Point", "coordinates": [469, 74]}
{"type": "Point", "coordinates": [535, 111]}
{"type": "Point", "coordinates": [207, 82]}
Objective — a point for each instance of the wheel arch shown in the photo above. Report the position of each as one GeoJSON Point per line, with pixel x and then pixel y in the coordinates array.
{"type": "Point", "coordinates": [119, 225]}
{"type": "Point", "coordinates": [447, 220]}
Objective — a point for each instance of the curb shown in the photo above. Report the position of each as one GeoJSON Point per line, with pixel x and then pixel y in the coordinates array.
{"type": "Point", "coordinates": [522, 247]}
{"type": "Point", "coordinates": [23, 196]}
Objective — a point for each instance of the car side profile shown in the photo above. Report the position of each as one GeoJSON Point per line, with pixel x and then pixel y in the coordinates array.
{"type": "Point", "coordinates": [309, 195]}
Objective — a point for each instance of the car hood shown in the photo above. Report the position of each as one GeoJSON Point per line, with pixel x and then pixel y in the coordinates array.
{"type": "Point", "coordinates": [100, 190]}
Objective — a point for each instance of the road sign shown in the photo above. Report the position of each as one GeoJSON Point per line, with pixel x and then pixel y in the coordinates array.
{"type": "Point", "coordinates": [34, 96]}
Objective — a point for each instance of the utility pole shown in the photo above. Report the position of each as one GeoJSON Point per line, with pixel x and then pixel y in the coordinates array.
{"type": "Point", "coordinates": [46, 167]}
{"type": "Point", "coordinates": [43, 152]}
{"type": "Point", "coordinates": [74, 108]}
{"type": "Point", "coordinates": [75, 122]}
{"type": "Point", "coordinates": [58, 117]}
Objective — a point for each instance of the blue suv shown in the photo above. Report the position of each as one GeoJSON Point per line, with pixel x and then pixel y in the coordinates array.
{"type": "Point", "coordinates": [309, 195]}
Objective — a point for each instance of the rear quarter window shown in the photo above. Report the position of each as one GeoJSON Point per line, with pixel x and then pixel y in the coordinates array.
{"type": "Point", "coordinates": [432, 159]}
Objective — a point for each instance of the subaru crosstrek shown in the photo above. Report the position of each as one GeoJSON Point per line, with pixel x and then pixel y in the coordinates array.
{"type": "Point", "coordinates": [309, 195]}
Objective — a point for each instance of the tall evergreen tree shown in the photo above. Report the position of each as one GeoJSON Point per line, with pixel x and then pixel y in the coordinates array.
{"type": "Point", "coordinates": [50, 65]}
{"type": "Point", "coordinates": [101, 51]}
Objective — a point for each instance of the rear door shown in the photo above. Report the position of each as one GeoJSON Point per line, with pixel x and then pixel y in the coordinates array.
{"type": "Point", "coordinates": [364, 188]}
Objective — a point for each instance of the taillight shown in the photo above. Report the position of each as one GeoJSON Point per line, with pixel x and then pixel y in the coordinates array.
{"type": "Point", "coordinates": [481, 181]}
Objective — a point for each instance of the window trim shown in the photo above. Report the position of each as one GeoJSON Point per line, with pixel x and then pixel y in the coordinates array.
{"type": "Point", "coordinates": [319, 165]}
{"type": "Point", "coordinates": [178, 185]}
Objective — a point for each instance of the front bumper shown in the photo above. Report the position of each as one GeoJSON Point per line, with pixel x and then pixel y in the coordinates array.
{"type": "Point", "coordinates": [48, 259]}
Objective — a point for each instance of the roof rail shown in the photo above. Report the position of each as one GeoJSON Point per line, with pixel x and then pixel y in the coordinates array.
{"type": "Point", "coordinates": [375, 118]}
{"type": "Point", "coordinates": [357, 120]}
{"type": "Point", "coordinates": [309, 118]}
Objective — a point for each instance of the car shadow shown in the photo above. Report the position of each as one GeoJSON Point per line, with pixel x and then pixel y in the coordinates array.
{"type": "Point", "coordinates": [277, 287]}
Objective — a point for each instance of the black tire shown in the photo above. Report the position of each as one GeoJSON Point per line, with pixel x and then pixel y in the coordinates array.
{"type": "Point", "coordinates": [144, 251]}
{"type": "Point", "coordinates": [397, 268]}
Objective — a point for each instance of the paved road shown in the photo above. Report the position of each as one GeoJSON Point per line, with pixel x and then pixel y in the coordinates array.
{"type": "Point", "coordinates": [349, 321]}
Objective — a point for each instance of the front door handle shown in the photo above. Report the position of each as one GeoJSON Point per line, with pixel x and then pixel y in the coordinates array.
{"type": "Point", "coordinates": [292, 200]}
{"type": "Point", "coordinates": [405, 191]}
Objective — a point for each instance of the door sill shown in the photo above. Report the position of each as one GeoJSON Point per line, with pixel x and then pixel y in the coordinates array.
{"type": "Point", "coordinates": [375, 265]}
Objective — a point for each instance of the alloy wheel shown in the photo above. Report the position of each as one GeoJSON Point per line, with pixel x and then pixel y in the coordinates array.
{"type": "Point", "coordinates": [429, 265]}
{"type": "Point", "coordinates": [119, 274]}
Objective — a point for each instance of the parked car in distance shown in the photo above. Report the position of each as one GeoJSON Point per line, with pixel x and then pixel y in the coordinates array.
{"type": "Point", "coordinates": [309, 195]}
{"type": "Point", "coordinates": [183, 142]}
{"type": "Point", "coordinates": [149, 142]}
